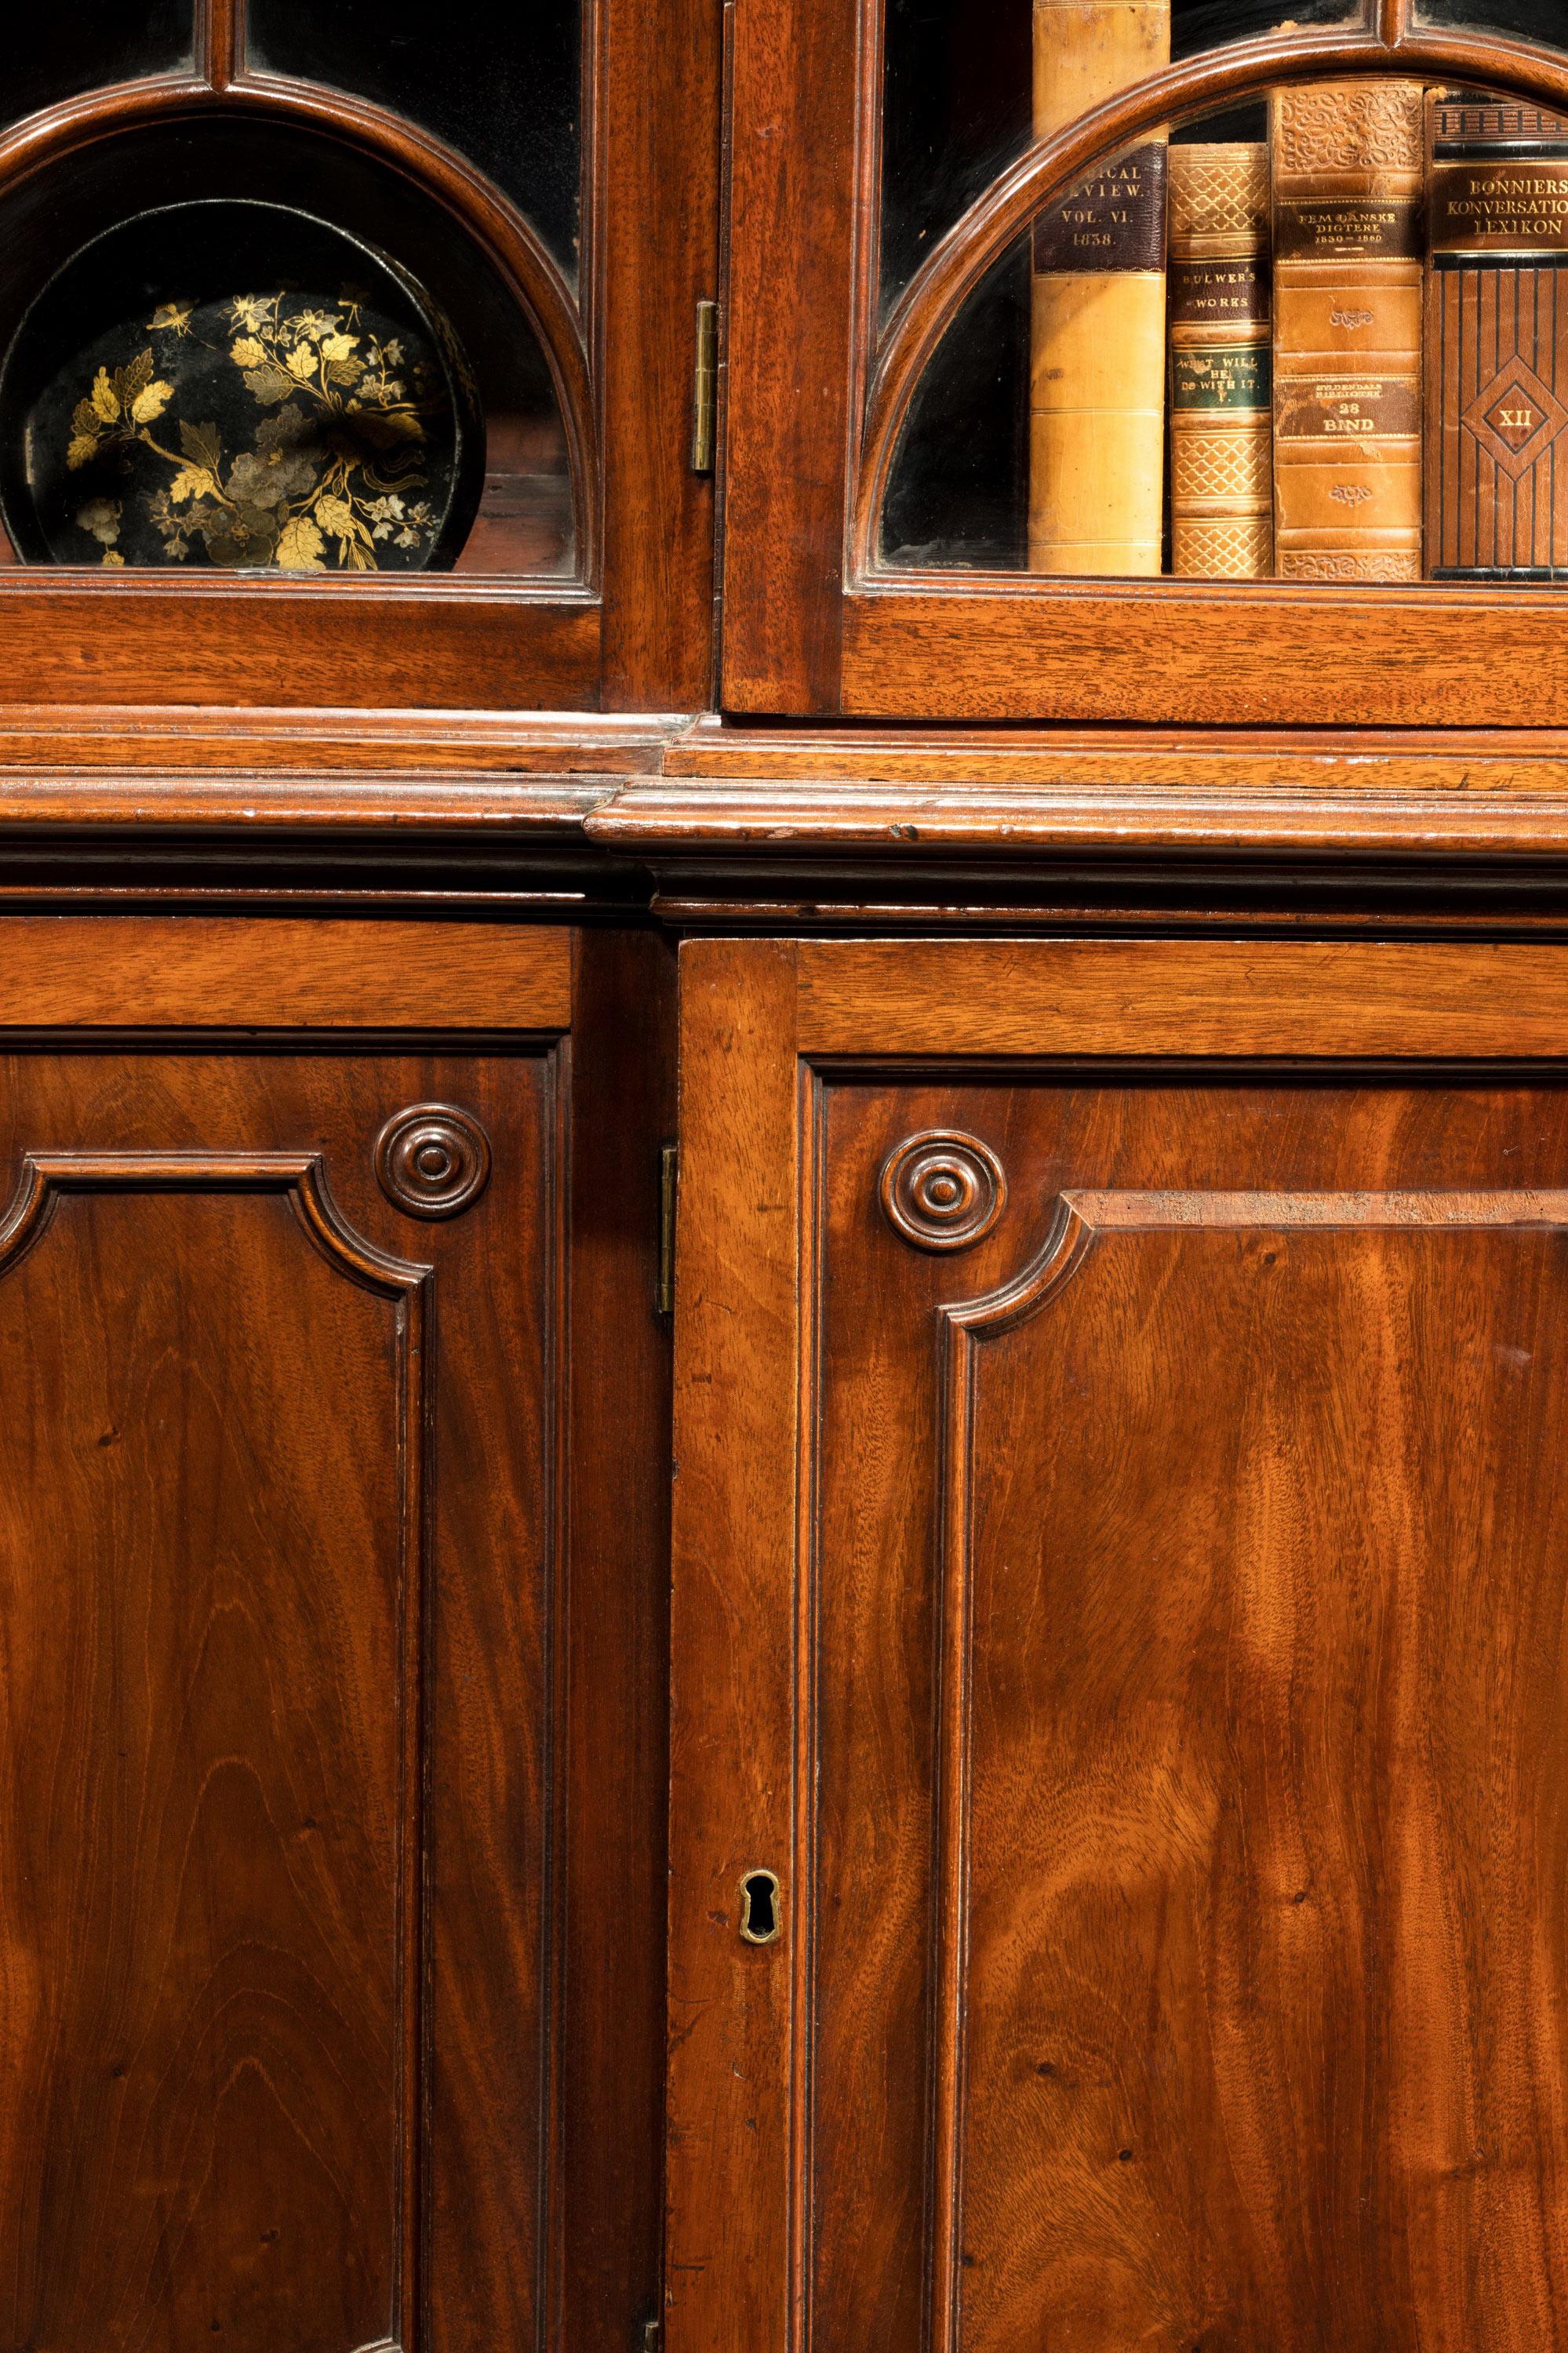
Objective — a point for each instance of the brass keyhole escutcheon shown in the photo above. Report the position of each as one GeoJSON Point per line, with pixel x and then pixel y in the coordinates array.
{"type": "Point", "coordinates": [761, 1914]}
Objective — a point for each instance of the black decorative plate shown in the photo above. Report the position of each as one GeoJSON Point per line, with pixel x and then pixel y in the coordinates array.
{"type": "Point", "coordinates": [241, 385]}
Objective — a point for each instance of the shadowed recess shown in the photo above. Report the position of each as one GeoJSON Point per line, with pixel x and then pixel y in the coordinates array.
{"type": "Point", "coordinates": [53, 54]}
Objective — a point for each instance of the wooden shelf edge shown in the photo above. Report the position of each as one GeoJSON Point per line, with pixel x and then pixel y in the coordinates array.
{"type": "Point", "coordinates": [716, 749]}
{"type": "Point", "coordinates": [340, 802]}
{"type": "Point", "coordinates": [663, 787]}
{"type": "Point", "coordinates": [1032, 822]}
{"type": "Point", "coordinates": [75, 642]}
{"type": "Point", "coordinates": [46, 738]}
{"type": "Point", "coordinates": [209, 768]}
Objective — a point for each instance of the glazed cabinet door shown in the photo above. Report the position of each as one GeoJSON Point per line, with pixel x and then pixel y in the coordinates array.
{"type": "Point", "coordinates": [1119, 1649]}
{"type": "Point", "coordinates": [347, 354]}
{"type": "Point", "coordinates": [309, 2035]}
{"type": "Point", "coordinates": [1189, 362]}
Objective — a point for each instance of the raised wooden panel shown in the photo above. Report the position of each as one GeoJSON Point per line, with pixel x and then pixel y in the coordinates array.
{"type": "Point", "coordinates": [212, 1634]}
{"type": "Point", "coordinates": [1187, 1873]}
{"type": "Point", "coordinates": [280, 1611]}
{"type": "Point", "coordinates": [1251, 1865]}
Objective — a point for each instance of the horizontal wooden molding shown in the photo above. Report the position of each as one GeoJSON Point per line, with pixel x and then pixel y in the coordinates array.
{"type": "Point", "coordinates": [217, 740]}
{"type": "Point", "coordinates": [332, 769]}
{"type": "Point", "coordinates": [1257, 759]}
{"type": "Point", "coordinates": [1247, 654]}
{"type": "Point", "coordinates": [662, 790]}
{"type": "Point", "coordinates": [88, 637]}
{"type": "Point", "coordinates": [776, 821]}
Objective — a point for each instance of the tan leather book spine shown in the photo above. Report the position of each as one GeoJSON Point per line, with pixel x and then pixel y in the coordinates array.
{"type": "Point", "coordinates": [1097, 374]}
{"type": "Point", "coordinates": [1217, 295]}
{"type": "Point", "coordinates": [1349, 238]}
{"type": "Point", "coordinates": [1497, 340]}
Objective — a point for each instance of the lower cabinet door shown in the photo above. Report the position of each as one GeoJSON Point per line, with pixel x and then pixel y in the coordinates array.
{"type": "Point", "coordinates": [1120, 1754]}
{"type": "Point", "coordinates": [308, 2037]}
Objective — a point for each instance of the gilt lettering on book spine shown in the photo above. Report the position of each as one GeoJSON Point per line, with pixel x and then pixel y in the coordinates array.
{"type": "Point", "coordinates": [1497, 341]}
{"type": "Point", "coordinates": [1097, 369]}
{"type": "Point", "coordinates": [1222, 495]}
{"type": "Point", "coordinates": [1348, 243]}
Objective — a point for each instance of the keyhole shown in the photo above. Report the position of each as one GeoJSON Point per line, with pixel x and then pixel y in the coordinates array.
{"type": "Point", "coordinates": [759, 1921]}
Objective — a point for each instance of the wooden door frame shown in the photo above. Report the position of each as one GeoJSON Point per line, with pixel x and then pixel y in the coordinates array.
{"type": "Point", "coordinates": [761, 1021]}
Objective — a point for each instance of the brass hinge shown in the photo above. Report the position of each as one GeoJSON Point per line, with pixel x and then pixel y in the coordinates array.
{"type": "Point", "coordinates": [653, 2330]}
{"type": "Point", "coordinates": [704, 390]}
{"type": "Point", "coordinates": [669, 1185]}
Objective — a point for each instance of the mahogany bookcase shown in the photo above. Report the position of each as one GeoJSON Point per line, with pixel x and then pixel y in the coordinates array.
{"type": "Point", "coordinates": [781, 1334]}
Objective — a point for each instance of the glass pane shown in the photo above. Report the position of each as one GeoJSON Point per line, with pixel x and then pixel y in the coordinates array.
{"type": "Point", "coordinates": [225, 379]}
{"type": "Point", "coordinates": [49, 56]}
{"type": "Point", "coordinates": [1323, 338]}
{"type": "Point", "coordinates": [1531, 20]}
{"type": "Point", "coordinates": [966, 90]}
{"type": "Point", "coordinates": [500, 83]}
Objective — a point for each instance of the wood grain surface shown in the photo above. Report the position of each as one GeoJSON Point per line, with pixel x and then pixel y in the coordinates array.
{"type": "Point", "coordinates": [615, 1673]}
{"type": "Point", "coordinates": [211, 1630]}
{"type": "Point", "coordinates": [277, 1976]}
{"type": "Point", "coordinates": [1237, 1829]}
{"type": "Point", "coordinates": [729, 2261]}
{"type": "Point", "coordinates": [659, 132]}
{"type": "Point", "coordinates": [1011, 823]}
{"type": "Point", "coordinates": [1199, 758]}
{"type": "Point", "coordinates": [1108, 996]}
{"type": "Point", "coordinates": [334, 1611]}
{"type": "Point", "coordinates": [85, 637]}
{"type": "Point", "coordinates": [1267, 1761]}
{"type": "Point", "coordinates": [1170, 652]}
{"type": "Point", "coordinates": [221, 972]}
{"type": "Point", "coordinates": [262, 743]}
{"type": "Point", "coordinates": [789, 408]}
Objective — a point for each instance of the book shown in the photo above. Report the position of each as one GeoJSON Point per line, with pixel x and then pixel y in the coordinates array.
{"type": "Point", "coordinates": [1096, 426]}
{"type": "Point", "coordinates": [1347, 163]}
{"type": "Point", "coordinates": [1217, 293]}
{"type": "Point", "coordinates": [1497, 340]}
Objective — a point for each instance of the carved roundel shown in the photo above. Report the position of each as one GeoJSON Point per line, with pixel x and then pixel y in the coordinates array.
{"type": "Point", "coordinates": [432, 1161]}
{"type": "Point", "coordinates": [943, 1191]}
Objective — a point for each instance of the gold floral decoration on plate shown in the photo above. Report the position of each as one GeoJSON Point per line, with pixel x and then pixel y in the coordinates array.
{"type": "Point", "coordinates": [333, 467]}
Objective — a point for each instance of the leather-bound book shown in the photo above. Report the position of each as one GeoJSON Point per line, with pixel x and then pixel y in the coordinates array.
{"type": "Point", "coordinates": [1221, 488]}
{"type": "Point", "coordinates": [1097, 373]}
{"type": "Point", "coordinates": [1497, 341]}
{"type": "Point", "coordinates": [1349, 235]}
